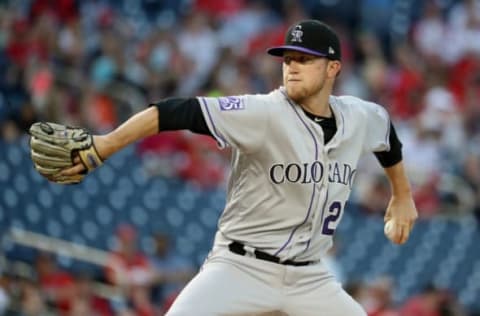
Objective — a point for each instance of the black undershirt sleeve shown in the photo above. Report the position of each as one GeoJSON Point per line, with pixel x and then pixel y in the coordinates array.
{"type": "Point", "coordinates": [394, 155]}
{"type": "Point", "coordinates": [181, 113]}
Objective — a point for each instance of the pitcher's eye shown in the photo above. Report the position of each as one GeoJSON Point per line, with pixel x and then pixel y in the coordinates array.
{"type": "Point", "coordinates": [303, 59]}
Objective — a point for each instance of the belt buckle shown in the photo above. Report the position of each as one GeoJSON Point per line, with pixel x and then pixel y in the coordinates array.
{"type": "Point", "coordinates": [249, 251]}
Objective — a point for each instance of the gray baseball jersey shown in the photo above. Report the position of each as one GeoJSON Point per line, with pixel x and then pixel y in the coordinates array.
{"type": "Point", "coordinates": [287, 190]}
{"type": "Point", "coordinates": [286, 196]}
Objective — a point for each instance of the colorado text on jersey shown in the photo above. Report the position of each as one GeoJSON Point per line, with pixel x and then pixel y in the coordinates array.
{"type": "Point", "coordinates": [312, 172]}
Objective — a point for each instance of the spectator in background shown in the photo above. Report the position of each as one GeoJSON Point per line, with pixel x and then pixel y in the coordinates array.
{"type": "Point", "coordinates": [192, 158]}
{"type": "Point", "coordinates": [16, 110]}
{"type": "Point", "coordinates": [373, 67]}
{"type": "Point", "coordinates": [429, 33]}
{"type": "Point", "coordinates": [464, 20]}
{"type": "Point", "coordinates": [373, 195]}
{"type": "Point", "coordinates": [375, 16]}
{"type": "Point", "coordinates": [85, 302]}
{"type": "Point", "coordinates": [441, 109]}
{"type": "Point", "coordinates": [246, 24]}
{"type": "Point", "coordinates": [380, 302]}
{"type": "Point", "coordinates": [57, 285]}
{"type": "Point", "coordinates": [4, 295]}
{"type": "Point", "coordinates": [128, 266]}
{"type": "Point", "coordinates": [141, 303]}
{"type": "Point", "coordinates": [197, 42]}
{"type": "Point", "coordinates": [471, 173]}
{"type": "Point", "coordinates": [358, 291]}
{"type": "Point", "coordinates": [9, 131]}
{"type": "Point", "coordinates": [427, 303]}
{"type": "Point", "coordinates": [129, 269]}
{"type": "Point", "coordinates": [172, 271]}
{"type": "Point", "coordinates": [432, 302]}
{"type": "Point", "coordinates": [31, 300]}
{"type": "Point", "coordinates": [407, 83]}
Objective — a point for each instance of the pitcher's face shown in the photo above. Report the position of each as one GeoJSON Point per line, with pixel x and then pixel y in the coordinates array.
{"type": "Point", "coordinates": [304, 75]}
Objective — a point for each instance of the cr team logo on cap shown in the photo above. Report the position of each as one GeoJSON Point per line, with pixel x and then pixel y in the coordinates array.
{"type": "Point", "coordinates": [297, 34]}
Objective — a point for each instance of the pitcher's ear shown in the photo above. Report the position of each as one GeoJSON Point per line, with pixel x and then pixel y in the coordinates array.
{"type": "Point", "coordinates": [334, 67]}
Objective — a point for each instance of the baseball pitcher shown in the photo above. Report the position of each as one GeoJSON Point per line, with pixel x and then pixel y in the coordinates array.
{"type": "Point", "coordinates": [294, 161]}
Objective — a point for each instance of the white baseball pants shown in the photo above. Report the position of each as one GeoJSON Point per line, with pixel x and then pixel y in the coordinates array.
{"type": "Point", "coordinates": [229, 284]}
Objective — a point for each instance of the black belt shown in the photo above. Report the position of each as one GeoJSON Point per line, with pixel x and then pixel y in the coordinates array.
{"type": "Point", "coordinates": [239, 249]}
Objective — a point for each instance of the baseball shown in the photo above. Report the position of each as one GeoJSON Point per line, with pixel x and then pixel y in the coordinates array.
{"type": "Point", "coordinates": [387, 229]}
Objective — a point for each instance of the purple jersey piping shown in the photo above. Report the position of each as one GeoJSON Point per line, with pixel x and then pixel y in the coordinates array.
{"type": "Point", "coordinates": [343, 124]}
{"type": "Point", "coordinates": [341, 116]}
{"type": "Point", "coordinates": [222, 141]}
{"type": "Point", "coordinates": [321, 221]}
{"type": "Point", "coordinates": [387, 138]}
{"type": "Point", "coordinates": [314, 185]}
{"type": "Point", "coordinates": [326, 197]}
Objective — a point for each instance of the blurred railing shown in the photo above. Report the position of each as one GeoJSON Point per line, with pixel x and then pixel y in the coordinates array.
{"type": "Point", "coordinates": [62, 248]}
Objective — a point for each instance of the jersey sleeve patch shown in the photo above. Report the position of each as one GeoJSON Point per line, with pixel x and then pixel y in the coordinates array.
{"type": "Point", "coordinates": [231, 103]}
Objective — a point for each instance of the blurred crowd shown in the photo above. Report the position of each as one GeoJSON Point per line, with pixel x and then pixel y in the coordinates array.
{"type": "Point", "coordinates": [130, 283]}
{"type": "Point", "coordinates": [134, 283]}
{"type": "Point", "coordinates": [93, 63]}
{"type": "Point", "coordinates": [376, 298]}
{"type": "Point", "coordinates": [430, 85]}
